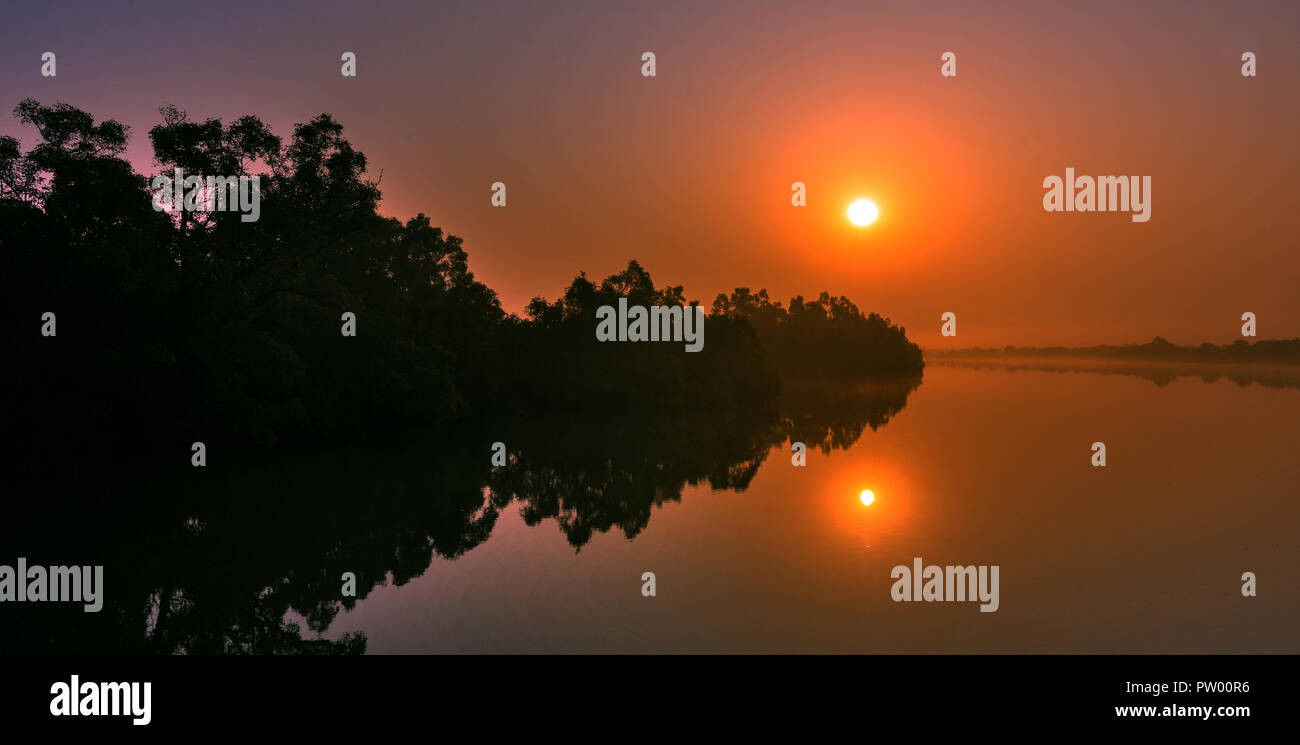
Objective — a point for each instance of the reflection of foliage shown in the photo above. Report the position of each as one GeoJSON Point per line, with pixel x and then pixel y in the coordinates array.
{"type": "Point", "coordinates": [830, 416]}
{"type": "Point", "coordinates": [182, 626]}
{"type": "Point", "coordinates": [218, 560]}
{"type": "Point", "coordinates": [594, 475]}
{"type": "Point", "coordinates": [177, 327]}
{"type": "Point", "coordinates": [221, 560]}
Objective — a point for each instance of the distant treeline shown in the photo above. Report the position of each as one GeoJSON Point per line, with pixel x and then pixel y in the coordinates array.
{"type": "Point", "coordinates": [1285, 351]}
{"type": "Point", "coordinates": [182, 326]}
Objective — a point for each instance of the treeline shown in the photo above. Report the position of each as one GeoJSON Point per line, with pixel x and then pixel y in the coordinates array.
{"type": "Point", "coordinates": [827, 337]}
{"type": "Point", "coordinates": [567, 368]}
{"type": "Point", "coordinates": [182, 326]}
{"type": "Point", "coordinates": [1283, 351]}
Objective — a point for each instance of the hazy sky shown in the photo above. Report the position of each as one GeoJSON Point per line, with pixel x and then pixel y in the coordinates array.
{"type": "Point", "coordinates": [690, 171]}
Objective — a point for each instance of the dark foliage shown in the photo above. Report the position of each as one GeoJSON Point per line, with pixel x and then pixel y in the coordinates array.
{"type": "Point", "coordinates": [182, 326]}
{"type": "Point", "coordinates": [174, 327]}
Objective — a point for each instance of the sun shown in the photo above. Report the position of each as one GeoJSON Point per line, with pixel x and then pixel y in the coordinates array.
{"type": "Point", "coordinates": [863, 212]}
{"type": "Point", "coordinates": [867, 497]}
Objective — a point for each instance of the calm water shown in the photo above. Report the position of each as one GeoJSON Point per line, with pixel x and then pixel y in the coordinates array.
{"type": "Point", "coordinates": [973, 466]}
{"type": "Point", "coordinates": [981, 466]}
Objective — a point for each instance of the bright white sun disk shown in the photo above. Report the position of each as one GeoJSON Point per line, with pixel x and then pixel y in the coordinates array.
{"type": "Point", "coordinates": [863, 212]}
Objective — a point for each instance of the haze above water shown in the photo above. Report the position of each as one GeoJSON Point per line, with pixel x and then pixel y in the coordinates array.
{"type": "Point", "coordinates": [982, 466]}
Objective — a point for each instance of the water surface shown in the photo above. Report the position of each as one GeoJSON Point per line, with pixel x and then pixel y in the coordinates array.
{"type": "Point", "coordinates": [981, 466]}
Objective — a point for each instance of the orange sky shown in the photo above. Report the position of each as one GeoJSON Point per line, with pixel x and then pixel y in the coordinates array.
{"type": "Point", "coordinates": [689, 172]}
